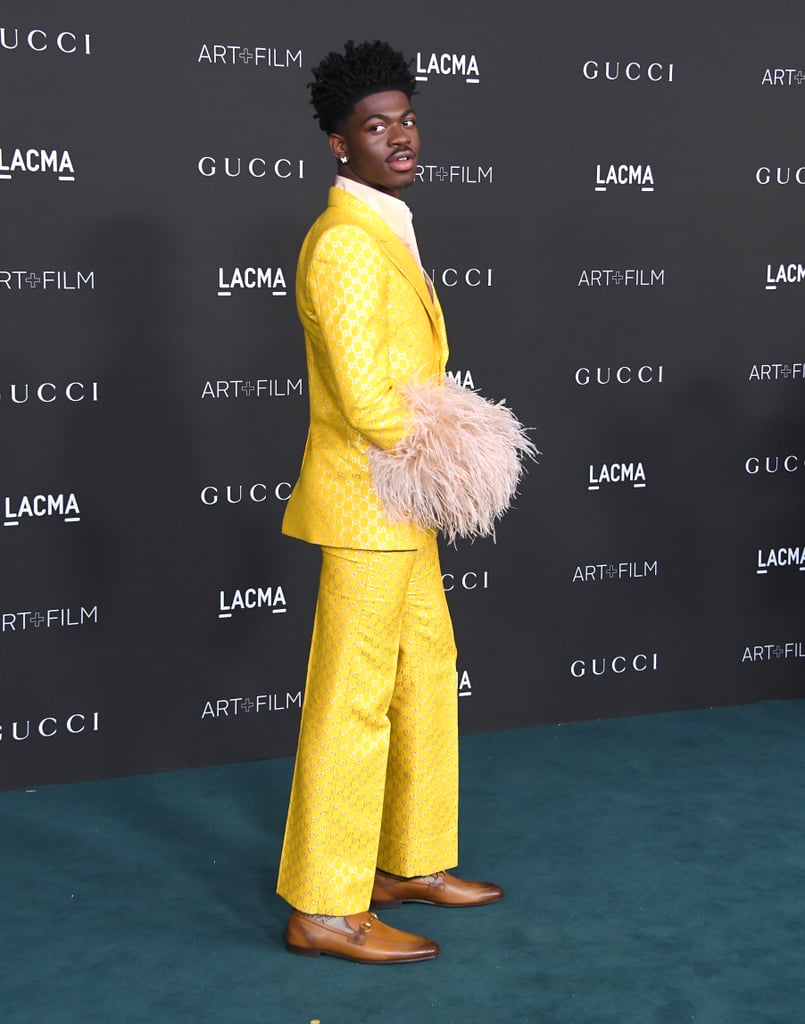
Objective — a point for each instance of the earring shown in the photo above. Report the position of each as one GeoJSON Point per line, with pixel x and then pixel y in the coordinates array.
{"type": "Point", "coordinates": [343, 159]}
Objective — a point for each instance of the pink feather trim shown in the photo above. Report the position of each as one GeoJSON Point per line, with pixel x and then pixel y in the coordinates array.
{"type": "Point", "coordinates": [458, 468]}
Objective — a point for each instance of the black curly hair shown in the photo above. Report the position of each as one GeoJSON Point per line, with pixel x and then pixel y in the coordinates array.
{"type": "Point", "coordinates": [341, 80]}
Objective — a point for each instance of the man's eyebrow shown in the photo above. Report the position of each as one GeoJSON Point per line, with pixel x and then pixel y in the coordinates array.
{"type": "Point", "coordinates": [385, 117]}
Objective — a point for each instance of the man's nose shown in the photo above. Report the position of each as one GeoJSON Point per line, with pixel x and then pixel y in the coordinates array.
{"type": "Point", "coordinates": [399, 135]}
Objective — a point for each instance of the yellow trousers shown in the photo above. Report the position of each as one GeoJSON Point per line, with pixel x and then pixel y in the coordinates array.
{"type": "Point", "coordinates": [376, 776]}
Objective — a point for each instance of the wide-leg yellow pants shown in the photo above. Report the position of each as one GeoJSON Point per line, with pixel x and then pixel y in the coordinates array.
{"type": "Point", "coordinates": [376, 776]}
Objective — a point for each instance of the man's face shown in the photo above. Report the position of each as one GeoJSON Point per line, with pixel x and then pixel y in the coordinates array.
{"type": "Point", "coordinates": [381, 141]}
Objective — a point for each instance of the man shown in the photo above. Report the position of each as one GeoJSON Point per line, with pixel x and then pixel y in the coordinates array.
{"type": "Point", "coordinates": [373, 810]}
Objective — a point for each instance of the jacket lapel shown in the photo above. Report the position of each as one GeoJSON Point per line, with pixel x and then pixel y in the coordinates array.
{"type": "Point", "coordinates": [407, 265]}
{"type": "Point", "coordinates": [392, 245]}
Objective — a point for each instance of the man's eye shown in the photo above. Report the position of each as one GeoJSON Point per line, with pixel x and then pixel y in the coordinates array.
{"type": "Point", "coordinates": [409, 122]}
{"type": "Point", "coordinates": [376, 128]}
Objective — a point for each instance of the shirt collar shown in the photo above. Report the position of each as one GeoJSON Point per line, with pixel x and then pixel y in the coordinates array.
{"type": "Point", "coordinates": [393, 211]}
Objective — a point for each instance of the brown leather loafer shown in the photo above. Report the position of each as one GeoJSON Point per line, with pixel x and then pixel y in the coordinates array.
{"type": "Point", "coordinates": [368, 940]}
{"type": "Point", "coordinates": [442, 890]}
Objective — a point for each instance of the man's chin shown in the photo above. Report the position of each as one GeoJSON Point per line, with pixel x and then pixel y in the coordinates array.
{"type": "Point", "coordinates": [407, 180]}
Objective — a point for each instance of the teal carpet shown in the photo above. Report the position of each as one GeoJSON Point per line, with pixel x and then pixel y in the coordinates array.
{"type": "Point", "coordinates": [653, 868]}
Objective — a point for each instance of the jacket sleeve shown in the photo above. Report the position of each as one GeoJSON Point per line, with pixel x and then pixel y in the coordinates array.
{"type": "Point", "coordinates": [347, 282]}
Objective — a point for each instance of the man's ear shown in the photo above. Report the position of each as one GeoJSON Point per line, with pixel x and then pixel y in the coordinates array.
{"type": "Point", "coordinates": [338, 145]}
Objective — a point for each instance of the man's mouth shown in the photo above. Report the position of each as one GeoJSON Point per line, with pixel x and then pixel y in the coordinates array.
{"type": "Point", "coordinates": [402, 160]}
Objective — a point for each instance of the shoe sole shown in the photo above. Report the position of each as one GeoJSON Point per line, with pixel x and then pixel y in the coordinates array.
{"type": "Point", "coordinates": [394, 904]}
{"type": "Point", "coordinates": [306, 951]}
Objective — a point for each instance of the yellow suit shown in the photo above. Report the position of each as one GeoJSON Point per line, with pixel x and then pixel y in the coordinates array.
{"type": "Point", "coordinates": [370, 326]}
{"type": "Point", "coordinates": [376, 774]}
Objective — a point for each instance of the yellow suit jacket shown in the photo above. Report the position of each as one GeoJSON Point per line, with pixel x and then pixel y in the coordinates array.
{"type": "Point", "coordinates": [370, 327]}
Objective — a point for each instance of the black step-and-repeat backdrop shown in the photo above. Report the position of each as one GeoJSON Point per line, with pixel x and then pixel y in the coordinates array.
{"type": "Point", "coordinates": [611, 205]}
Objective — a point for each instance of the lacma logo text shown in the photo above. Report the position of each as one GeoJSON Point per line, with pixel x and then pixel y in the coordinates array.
{"type": "Point", "coordinates": [270, 279]}
{"type": "Point", "coordinates": [784, 273]}
{"type": "Point", "coordinates": [41, 506]}
{"type": "Point", "coordinates": [251, 599]}
{"type": "Point", "coordinates": [36, 161]}
{"type": "Point", "coordinates": [616, 473]}
{"type": "Point", "coordinates": [459, 65]}
{"type": "Point", "coordinates": [633, 175]}
{"type": "Point", "coordinates": [780, 558]}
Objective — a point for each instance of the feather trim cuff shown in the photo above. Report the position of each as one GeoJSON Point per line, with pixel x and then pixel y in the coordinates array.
{"type": "Point", "coordinates": [458, 467]}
